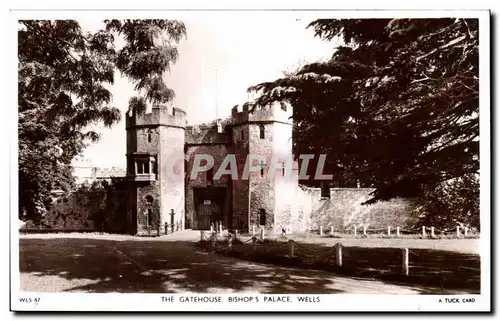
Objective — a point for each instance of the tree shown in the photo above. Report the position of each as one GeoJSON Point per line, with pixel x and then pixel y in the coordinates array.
{"type": "Point", "coordinates": [63, 80]}
{"type": "Point", "coordinates": [451, 203]}
{"type": "Point", "coordinates": [397, 105]}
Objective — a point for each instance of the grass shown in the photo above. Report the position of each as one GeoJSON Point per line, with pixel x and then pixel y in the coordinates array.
{"type": "Point", "coordinates": [428, 266]}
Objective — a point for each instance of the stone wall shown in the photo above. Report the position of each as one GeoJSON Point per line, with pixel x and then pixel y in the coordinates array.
{"type": "Point", "coordinates": [262, 196]}
{"type": "Point", "coordinates": [172, 185]}
{"type": "Point", "coordinates": [344, 209]}
{"type": "Point", "coordinates": [218, 152]}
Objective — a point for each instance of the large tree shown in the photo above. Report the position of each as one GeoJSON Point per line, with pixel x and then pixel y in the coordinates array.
{"type": "Point", "coordinates": [396, 106]}
{"type": "Point", "coordinates": [63, 87]}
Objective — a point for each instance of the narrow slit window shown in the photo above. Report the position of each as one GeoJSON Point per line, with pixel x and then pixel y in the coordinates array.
{"type": "Point", "coordinates": [210, 176]}
{"type": "Point", "coordinates": [149, 137]}
{"type": "Point", "coordinates": [262, 166]}
{"type": "Point", "coordinates": [325, 191]}
{"type": "Point", "coordinates": [262, 132]}
{"type": "Point", "coordinates": [262, 216]}
{"type": "Point", "coordinates": [242, 135]}
{"type": "Point", "coordinates": [283, 106]}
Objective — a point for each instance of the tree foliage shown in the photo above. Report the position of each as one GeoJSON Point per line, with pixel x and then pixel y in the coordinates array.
{"type": "Point", "coordinates": [63, 87]}
{"type": "Point", "coordinates": [452, 203]}
{"type": "Point", "coordinates": [396, 107]}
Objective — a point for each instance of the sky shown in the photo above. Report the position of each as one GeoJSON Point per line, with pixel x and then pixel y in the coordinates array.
{"type": "Point", "coordinates": [243, 49]}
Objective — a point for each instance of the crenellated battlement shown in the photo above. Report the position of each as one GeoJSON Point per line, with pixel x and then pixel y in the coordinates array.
{"type": "Point", "coordinates": [159, 115]}
{"type": "Point", "coordinates": [277, 112]}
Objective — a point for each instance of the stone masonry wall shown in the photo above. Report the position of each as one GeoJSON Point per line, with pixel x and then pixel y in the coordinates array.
{"type": "Point", "coordinates": [145, 190]}
{"type": "Point", "coordinates": [240, 188]}
{"type": "Point", "coordinates": [172, 185]}
{"type": "Point", "coordinates": [262, 196]}
{"type": "Point", "coordinates": [344, 209]}
{"type": "Point", "coordinates": [218, 152]}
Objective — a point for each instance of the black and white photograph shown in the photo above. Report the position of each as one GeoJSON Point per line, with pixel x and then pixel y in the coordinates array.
{"type": "Point", "coordinates": [251, 161]}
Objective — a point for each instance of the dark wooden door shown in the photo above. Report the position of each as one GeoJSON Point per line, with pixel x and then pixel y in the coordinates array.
{"type": "Point", "coordinates": [207, 212]}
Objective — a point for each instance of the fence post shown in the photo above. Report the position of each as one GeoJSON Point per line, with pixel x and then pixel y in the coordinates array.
{"type": "Point", "coordinates": [236, 234]}
{"type": "Point", "coordinates": [397, 231]}
{"type": "Point", "coordinates": [338, 254]}
{"type": "Point", "coordinates": [253, 229]}
{"type": "Point", "coordinates": [291, 248]}
{"type": "Point", "coordinates": [423, 231]}
{"type": "Point", "coordinates": [254, 243]}
{"type": "Point", "coordinates": [158, 229]}
{"type": "Point", "coordinates": [364, 230]}
{"type": "Point", "coordinates": [331, 230]}
{"type": "Point", "coordinates": [355, 230]}
{"type": "Point", "coordinates": [405, 263]}
{"type": "Point", "coordinates": [262, 233]}
{"type": "Point", "coordinates": [166, 228]}
{"type": "Point", "coordinates": [172, 214]}
{"type": "Point", "coordinates": [466, 229]}
{"type": "Point", "coordinates": [220, 227]}
{"type": "Point", "coordinates": [201, 235]}
{"type": "Point", "coordinates": [230, 241]}
{"type": "Point", "coordinates": [149, 230]}
{"type": "Point", "coordinates": [432, 232]}
{"type": "Point", "coordinates": [213, 239]}
{"type": "Point", "coordinates": [211, 228]}
{"type": "Point", "coordinates": [458, 232]}
{"type": "Point", "coordinates": [321, 230]}
{"type": "Point", "coordinates": [388, 231]}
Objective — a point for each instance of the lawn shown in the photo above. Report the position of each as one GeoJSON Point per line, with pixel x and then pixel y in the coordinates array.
{"type": "Point", "coordinates": [441, 263]}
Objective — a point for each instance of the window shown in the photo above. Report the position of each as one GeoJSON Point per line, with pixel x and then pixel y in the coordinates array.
{"type": "Point", "coordinates": [142, 166]}
{"type": "Point", "coordinates": [210, 176]}
{"type": "Point", "coordinates": [139, 166]}
{"type": "Point", "coordinates": [283, 106]}
{"type": "Point", "coordinates": [325, 190]}
{"type": "Point", "coordinates": [283, 169]}
{"type": "Point", "coordinates": [262, 216]}
{"type": "Point", "coordinates": [149, 137]}
{"type": "Point", "coordinates": [149, 199]}
{"type": "Point", "coordinates": [242, 135]}
{"type": "Point", "coordinates": [262, 132]}
{"type": "Point", "coordinates": [262, 166]}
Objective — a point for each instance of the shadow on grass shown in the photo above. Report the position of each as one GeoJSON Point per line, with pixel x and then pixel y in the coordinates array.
{"type": "Point", "coordinates": [91, 265]}
{"type": "Point", "coordinates": [434, 271]}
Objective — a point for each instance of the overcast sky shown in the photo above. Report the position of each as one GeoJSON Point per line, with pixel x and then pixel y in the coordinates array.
{"type": "Point", "coordinates": [244, 52]}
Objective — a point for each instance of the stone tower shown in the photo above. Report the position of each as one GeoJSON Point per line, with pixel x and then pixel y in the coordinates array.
{"type": "Point", "coordinates": [265, 137]}
{"type": "Point", "coordinates": [155, 169]}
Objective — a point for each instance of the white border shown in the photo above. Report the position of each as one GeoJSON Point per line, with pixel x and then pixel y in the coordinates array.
{"type": "Point", "coordinates": [344, 302]}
